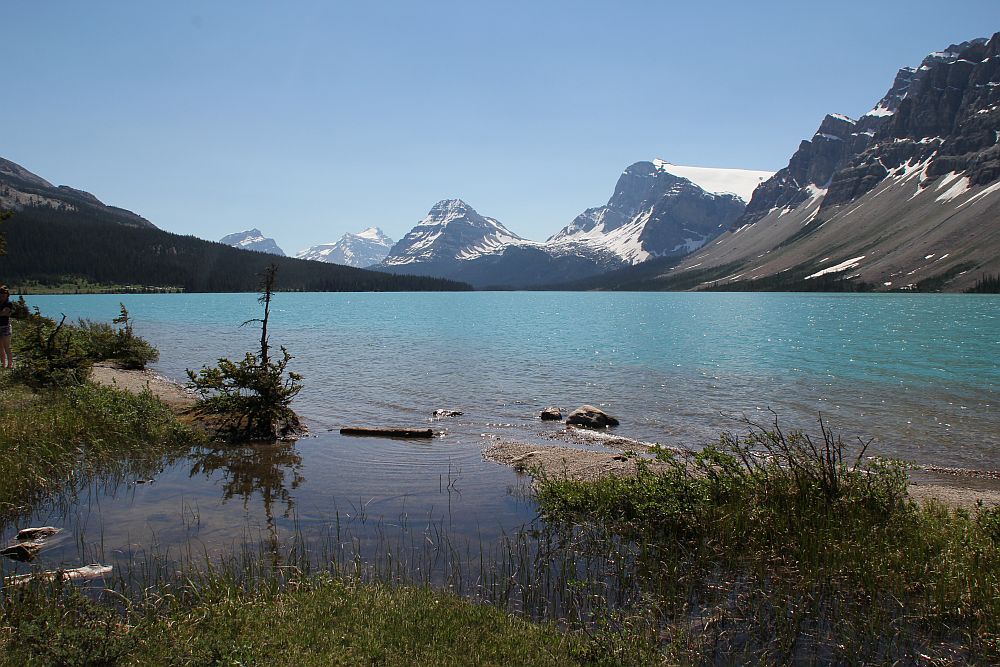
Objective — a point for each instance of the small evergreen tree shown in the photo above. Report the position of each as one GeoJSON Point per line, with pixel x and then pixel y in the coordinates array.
{"type": "Point", "coordinates": [50, 353]}
{"type": "Point", "coordinates": [251, 398]}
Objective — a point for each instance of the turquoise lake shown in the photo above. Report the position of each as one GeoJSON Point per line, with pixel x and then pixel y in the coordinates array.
{"type": "Point", "coordinates": [918, 373]}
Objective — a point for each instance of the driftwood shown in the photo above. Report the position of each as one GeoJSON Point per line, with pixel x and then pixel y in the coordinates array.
{"type": "Point", "coordinates": [388, 432]}
{"type": "Point", "coordinates": [85, 573]}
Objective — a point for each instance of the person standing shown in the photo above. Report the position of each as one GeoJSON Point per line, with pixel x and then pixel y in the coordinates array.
{"type": "Point", "coordinates": [6, 356]}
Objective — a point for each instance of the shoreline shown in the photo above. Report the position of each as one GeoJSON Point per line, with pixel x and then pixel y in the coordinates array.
{"type": "Point", "coordinates": [957, 488]}
{"type": "Point", "coordinates": [172, 394]}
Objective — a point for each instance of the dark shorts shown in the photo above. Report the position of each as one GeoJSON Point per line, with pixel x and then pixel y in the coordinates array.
{"type": "Point", "coordinates": [6, 331]}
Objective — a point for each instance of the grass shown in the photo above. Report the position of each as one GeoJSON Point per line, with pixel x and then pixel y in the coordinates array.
{"type": "Point", "coordinates": [321, 620]}
{"type": "Point", "coordinates": [55, 437]}
{"type": "Point", "coordinates": [70, 285]}
{"type": "Point", "coordinates": [777, 547]}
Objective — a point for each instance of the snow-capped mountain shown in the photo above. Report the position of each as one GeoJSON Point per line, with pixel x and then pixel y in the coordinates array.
{"type": "Point", "coordinates": [653, 212]}
{"type": "Point", "coordinates": [253, 239]}
{"type": "Point", "coordinates": [656, 212]}
{"type": "Point", "coordinates": [451, 231]}
{"type": "Point", "coordinates": [363, 249]}
{"type": "Point", "coordinates": [907, 195]}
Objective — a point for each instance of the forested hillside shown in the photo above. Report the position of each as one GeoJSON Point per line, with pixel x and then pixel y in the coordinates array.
{"type": "Point", "coordinates": [49, 245]}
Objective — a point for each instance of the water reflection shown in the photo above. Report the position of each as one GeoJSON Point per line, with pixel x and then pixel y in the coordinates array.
{"type": "Point", "coordinates": [271, 470]}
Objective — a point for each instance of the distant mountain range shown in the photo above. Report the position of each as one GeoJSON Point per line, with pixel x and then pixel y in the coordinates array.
{"type": "Point", "coordinates": [60, 233]}
{"type": "Point", "coordinates": [364, 249]}
{"type": "Point", "coordinates": [654, 212]}
{"type": "Point", "coordinates": [905, 197]}
{"type": "Point", "coordinates": [253, 239]}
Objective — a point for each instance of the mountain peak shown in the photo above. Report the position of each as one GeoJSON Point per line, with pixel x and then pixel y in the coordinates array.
{"type": "Point", "coordinates": [364, 249]}
{"type": "Point", "coordinates": [452, 230]}
{"type": "Point", "coordinates": [252, 239]}
{"type": "Point", "coordinates": [373, 233]}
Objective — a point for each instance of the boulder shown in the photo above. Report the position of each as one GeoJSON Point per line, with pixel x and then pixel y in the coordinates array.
{"type": "Point", "coordinates": [591, 417]}
{"type": "Point", "coordinates": [551, 413]}
{"type": "Point", "coordinates": [438, 414]}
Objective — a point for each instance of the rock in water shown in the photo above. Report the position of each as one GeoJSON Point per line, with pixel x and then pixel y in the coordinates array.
{"type": "Point", "coordinates": [23, 551]}
{"type": "Point", "coordinates": [591, 417]}
{"type": "Point", "coordinates": [438, 414]}
{"type": "Point", "coordinates": [36, 533]}
{"type": "Point", "coordinates": [551, 413]}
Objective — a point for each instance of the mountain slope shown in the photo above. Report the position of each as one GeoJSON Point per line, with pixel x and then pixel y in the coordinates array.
{"type": "Point", "coordinates": [20, 189]}
{"type": "Point", "coordinates": [906, 196]}
{"type": "Point", "coordinates": [253, 239]}
{"type": "Point", "coordinates": [361, 250]}
{"type": "Point", "coordinates": [451, 231]}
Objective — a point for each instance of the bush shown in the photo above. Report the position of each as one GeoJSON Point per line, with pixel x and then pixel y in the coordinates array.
{"type": "Point", "coordinates": [105, 343]}
{"type": "Point", "coordinates": [50, 354]}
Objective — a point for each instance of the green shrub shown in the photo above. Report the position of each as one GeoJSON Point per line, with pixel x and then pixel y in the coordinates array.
{"type": "Point", "coordinates": [49, 354]}
{"type": "Point", "coordinates": [106, 343]}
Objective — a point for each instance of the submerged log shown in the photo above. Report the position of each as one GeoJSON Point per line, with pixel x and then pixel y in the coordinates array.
{"type": "Point", "coordinates": [85, 573]}
{"type": "Point", "coordinates": [388, 432]}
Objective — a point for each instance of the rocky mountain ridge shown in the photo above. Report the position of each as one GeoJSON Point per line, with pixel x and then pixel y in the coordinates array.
{"type": "Point", "coordinates": [903, 197]}
{"type": "Point", "coordinates": [652, 213]}
{"type": "Point", "coordinates": [20, 188]}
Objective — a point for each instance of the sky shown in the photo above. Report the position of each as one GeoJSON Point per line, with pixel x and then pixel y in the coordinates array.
{"type": "Point", "coordinates": [310, 119]}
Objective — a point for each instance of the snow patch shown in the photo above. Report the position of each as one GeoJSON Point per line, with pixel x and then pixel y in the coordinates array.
{"type": "Point", "coordinates": [843, 266]}
{"type": "Point", "coordinates": [958, 189]}
{"type": "Point", "coordinates": [740, 182]}
{"type": "Point", "coordinates": [983, 193]}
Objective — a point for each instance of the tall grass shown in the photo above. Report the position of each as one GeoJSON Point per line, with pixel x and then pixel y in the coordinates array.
{"type": "Point", "coordinates": [792, 548]}
{"type": "Point", "coordinates": [52, 438]}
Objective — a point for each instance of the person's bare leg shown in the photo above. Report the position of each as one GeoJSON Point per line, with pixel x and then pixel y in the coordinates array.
{"type": "Point", "coordinates": [6, 358]}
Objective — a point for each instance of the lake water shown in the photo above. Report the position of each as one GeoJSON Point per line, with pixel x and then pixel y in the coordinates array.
{"type": "Point", "coordinates": [918, 373]}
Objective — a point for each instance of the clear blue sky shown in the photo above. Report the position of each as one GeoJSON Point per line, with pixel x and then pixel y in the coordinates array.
{"type": "Point", "coordinates": [311, 119]}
